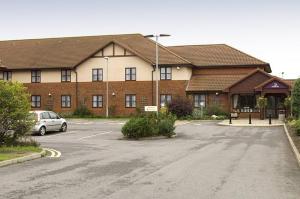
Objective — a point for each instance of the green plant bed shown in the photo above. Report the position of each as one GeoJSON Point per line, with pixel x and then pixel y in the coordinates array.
{"type": "Point", "coordinates": [7, 153]}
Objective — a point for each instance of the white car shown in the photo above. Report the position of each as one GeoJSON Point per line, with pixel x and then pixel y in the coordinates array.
{"type": "Point", "coordinates": [48, 121]}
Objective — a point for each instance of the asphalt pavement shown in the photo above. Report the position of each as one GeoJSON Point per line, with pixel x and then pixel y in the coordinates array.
{"type": "Point", "coordinates": [204, 161]}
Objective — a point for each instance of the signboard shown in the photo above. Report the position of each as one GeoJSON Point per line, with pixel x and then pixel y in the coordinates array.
{"type": "Point", "coordinates": [150, 108]}
{"type": "Point", "coordinates": [275, 85]}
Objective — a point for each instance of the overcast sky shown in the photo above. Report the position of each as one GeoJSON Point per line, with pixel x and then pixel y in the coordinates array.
{"type": "Point", "coordinates": [266, 29]}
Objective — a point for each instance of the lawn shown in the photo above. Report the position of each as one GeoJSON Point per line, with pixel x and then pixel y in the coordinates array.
{"type": "Point", "coordinates": [7, 153]}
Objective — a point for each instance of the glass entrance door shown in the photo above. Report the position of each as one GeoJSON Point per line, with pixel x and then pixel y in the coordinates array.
{"type": "Point", "coordinates": [275, 103]}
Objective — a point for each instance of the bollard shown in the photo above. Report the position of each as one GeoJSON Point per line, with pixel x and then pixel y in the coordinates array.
{"type": "Point", "coordinates": [270, 119]}
{"type": "Point", "coordinates": [250, 122]}
{"type": "Point", "coordinates": [230, 122]}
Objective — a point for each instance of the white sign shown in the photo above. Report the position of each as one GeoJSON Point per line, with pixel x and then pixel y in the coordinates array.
{"type": "Point", "coordinates": [151, 108]}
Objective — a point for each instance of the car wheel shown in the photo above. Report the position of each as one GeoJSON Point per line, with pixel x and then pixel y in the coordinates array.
{"type": "Point", "coordinates": [42, 131]}
{"type": "Point", "coordinates": [64, 127]}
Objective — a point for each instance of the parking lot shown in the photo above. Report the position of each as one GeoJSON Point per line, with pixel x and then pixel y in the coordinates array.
{"type": "Point", "coordinates": [204, 161]}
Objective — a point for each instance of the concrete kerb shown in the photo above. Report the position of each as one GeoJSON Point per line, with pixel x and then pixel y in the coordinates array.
{"type": "Point", "coordinates": [23, 159]}
{"type": "Point", "coordinates": [295, 150]}
{"type": "Point", "coordinates": [245, 124]}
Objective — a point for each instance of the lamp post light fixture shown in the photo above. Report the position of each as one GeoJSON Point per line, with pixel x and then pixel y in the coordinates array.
{"type": "Point", "coordinates": [106, 59]}
{"type": "Point", "coordinates": [156, 62]}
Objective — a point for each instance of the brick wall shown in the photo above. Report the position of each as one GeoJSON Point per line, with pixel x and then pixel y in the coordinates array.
{"type": "Point", "coordinates": [142, 90]}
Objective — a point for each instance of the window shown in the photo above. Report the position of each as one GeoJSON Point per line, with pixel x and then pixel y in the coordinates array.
{"type": "Point", "coordinates": [36, 76]}
{"type": "Point", "coordinates": [65, 75]}
{"type": "Point", "coordinates": [97, 101]}
{"type": "Point", "coordinates": [53, 115]}
{"type": "Point", "coordinates": [97, 74]}
{"type": "Point", "coordinates": [199, 100]}
{"type": "Point", "coordinates": [130, 101]}
{"type": "Point", "coordinates": [5, 75]}
{"type": "Point", "coordinates": [65, 101]}
{"type": "Point", "coordinates": [166, 73]}
{"type": "Point", "coordinates": [45, 115]}
{"type": "Point", "coordinates": [247, 103]}
{"type": "Point", "coordinates": [35, 101]}
{"type": "Point", "coordinates": [130, 74]}
{"type": "Point", "coordinates": [165, 99]}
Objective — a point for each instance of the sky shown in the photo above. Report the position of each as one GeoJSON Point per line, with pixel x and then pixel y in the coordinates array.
{"type": "Point", "coordinates": [266, 29]}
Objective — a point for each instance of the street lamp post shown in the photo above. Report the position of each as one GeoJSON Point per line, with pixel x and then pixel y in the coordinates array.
{"type": "Point", "coordinates": [156, 62]}
{"type": "Point", "coordinates": [106, 59]}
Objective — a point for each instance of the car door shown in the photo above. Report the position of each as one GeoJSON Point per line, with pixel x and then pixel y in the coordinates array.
{"type": "Point", "coordinates": [56, 124]}
{"type": "Point", "coordinates": [46, 120]}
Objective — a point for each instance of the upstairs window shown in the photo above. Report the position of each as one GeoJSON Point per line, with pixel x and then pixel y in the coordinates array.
{"type": "Point", "coordinates": [65, 101]}
{"type": "Point", "coordinates": [65, 75]}
{"type": "Point", "coordinates": [35, 101]}
{"type": "Point", "coordinates": [166, 73]}
{"type": "Point", "coordinates": [97, 74]}
{"type": "Point", "coordinates": [5, 75]}
{"type": "Point", "coordinates": [36, 76]}
{"type": "Point", "coordinates": [130, 74]}
{"type": "Point", "coordinates": [199, 100]}
{"type": "Point", "coordinates": [165, 99]}
{"type": "Point", "coordinates": [130, 101]}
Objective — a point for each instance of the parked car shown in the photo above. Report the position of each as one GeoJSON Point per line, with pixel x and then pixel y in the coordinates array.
{"type": "Point", "coordinates": [48, 121]}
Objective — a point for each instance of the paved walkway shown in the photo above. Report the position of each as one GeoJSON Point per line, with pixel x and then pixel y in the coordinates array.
{"type": "Point", "coordinates": [254, 122]}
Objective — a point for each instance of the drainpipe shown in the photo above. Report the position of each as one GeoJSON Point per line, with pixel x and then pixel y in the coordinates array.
{"type": "Point", "coordinates": [76, 88]}
{"type": "Point", "coordinates": [152, 87]}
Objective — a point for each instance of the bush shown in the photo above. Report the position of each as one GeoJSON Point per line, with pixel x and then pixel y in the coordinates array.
{"type": "Point", "coordinates": [15, 119]}
{"type": "Point", "coordinates": [82, 111]}
{"type": "Point", "coordinates": [180, 107]}
{"type": "Point", "coordinates": [149, 125]}
{"type": "Point", "coordinates": [296, 99]}
{"type": "Point", "coordinates": [296, 124]}
{"type": "Point", "coordinates": [138, 127]}
{"type": "Point", "coordinates": [214, 110]}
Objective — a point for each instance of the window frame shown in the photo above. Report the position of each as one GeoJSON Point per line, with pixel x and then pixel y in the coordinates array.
{"type": "Point", "coordinates": [199, 100]}
{"type": "Point", "coordinates": [6, 75]}
{"type": "Point", "coordinates": [37, 103]}
{"type": "Point", "coordinates": [130, 100]}
{"type": "Point", "coordinates": [131, 74]}
{"type": "Point", "coordinates": [164, 75]}
{"type": "Point", "coordinates": [97, 101]}
{"type": "Point", "coordinates": [97, 75]}
{"type": "Point", "coordinates": [37, 76]}
{"type": "Point", "coordinates": [61, 101]}
{"type": "Point", "coordinates": [165, 99]}
{"type": "Point", "coordinates": [67, 76]}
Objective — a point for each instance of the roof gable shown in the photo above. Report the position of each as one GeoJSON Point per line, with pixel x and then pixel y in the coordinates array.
{"type": "Point", "coordinates": [273, 83]}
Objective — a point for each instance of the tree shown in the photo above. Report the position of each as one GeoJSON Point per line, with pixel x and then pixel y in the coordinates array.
{"type": "Point", "coordinates": [262, 102]}
{"type": "Point", "coordinates": [296, 99]}
{"type": "Point", "coordinates": [15, 119]}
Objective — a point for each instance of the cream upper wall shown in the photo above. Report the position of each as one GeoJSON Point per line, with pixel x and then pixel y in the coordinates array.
{"type": "Point", "coordinates": [116, 65]}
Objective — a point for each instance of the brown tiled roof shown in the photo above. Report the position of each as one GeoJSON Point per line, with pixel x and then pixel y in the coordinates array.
{"type": "Point", "coordinates": [290, 82]}
{"type": "Point", "coordinates": [211, 82]}
{"type": "Point", "coordinates": [217, 55]}
{"type": "Point", "coordinates": [70, 51]}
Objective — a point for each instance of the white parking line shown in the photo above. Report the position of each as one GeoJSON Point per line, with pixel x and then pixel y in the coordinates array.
{"type": "Point", "coordinates": [54, 153]}
{"type": "Point", "coordinates": [103, 133]}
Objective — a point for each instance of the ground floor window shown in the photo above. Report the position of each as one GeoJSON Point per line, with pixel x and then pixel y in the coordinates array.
{"type": "Point", "coordinates": [35, 101]}
{"type": "Point", "coordinates": [97, 101]}
{"type": "Point", "coordinates": [245, 102]}
{"type": "Point", "coordinates": [130, 101]}
{"type": "Point", "coordinates": [199, 100]}
{"type": "Point", "coordinates": [165, 99]}
{"type": "Point", "coordinates": [65, 101]}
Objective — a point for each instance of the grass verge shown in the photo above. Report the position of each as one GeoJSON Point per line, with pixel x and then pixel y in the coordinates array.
{"type": "Point", "coordinates": [7, 153]}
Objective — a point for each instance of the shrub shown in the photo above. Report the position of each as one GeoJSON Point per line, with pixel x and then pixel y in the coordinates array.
{"type": "Point", "coordinates": [150, 124]}
{"type": "Point", "coordinates": [82, 111]}
{"type": "Point", "coordinates": [296, 99]}
{"type": "Point", "coordinates": [15, 119]}
{"type": "Point", "coordinates": [214, 110]}
{"type": "Point", "coordinates": [138, 127]}
{"type": "Point", "coordinates": [296, 124]}
{"type": "Point", "coordinates": [180, 107]}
